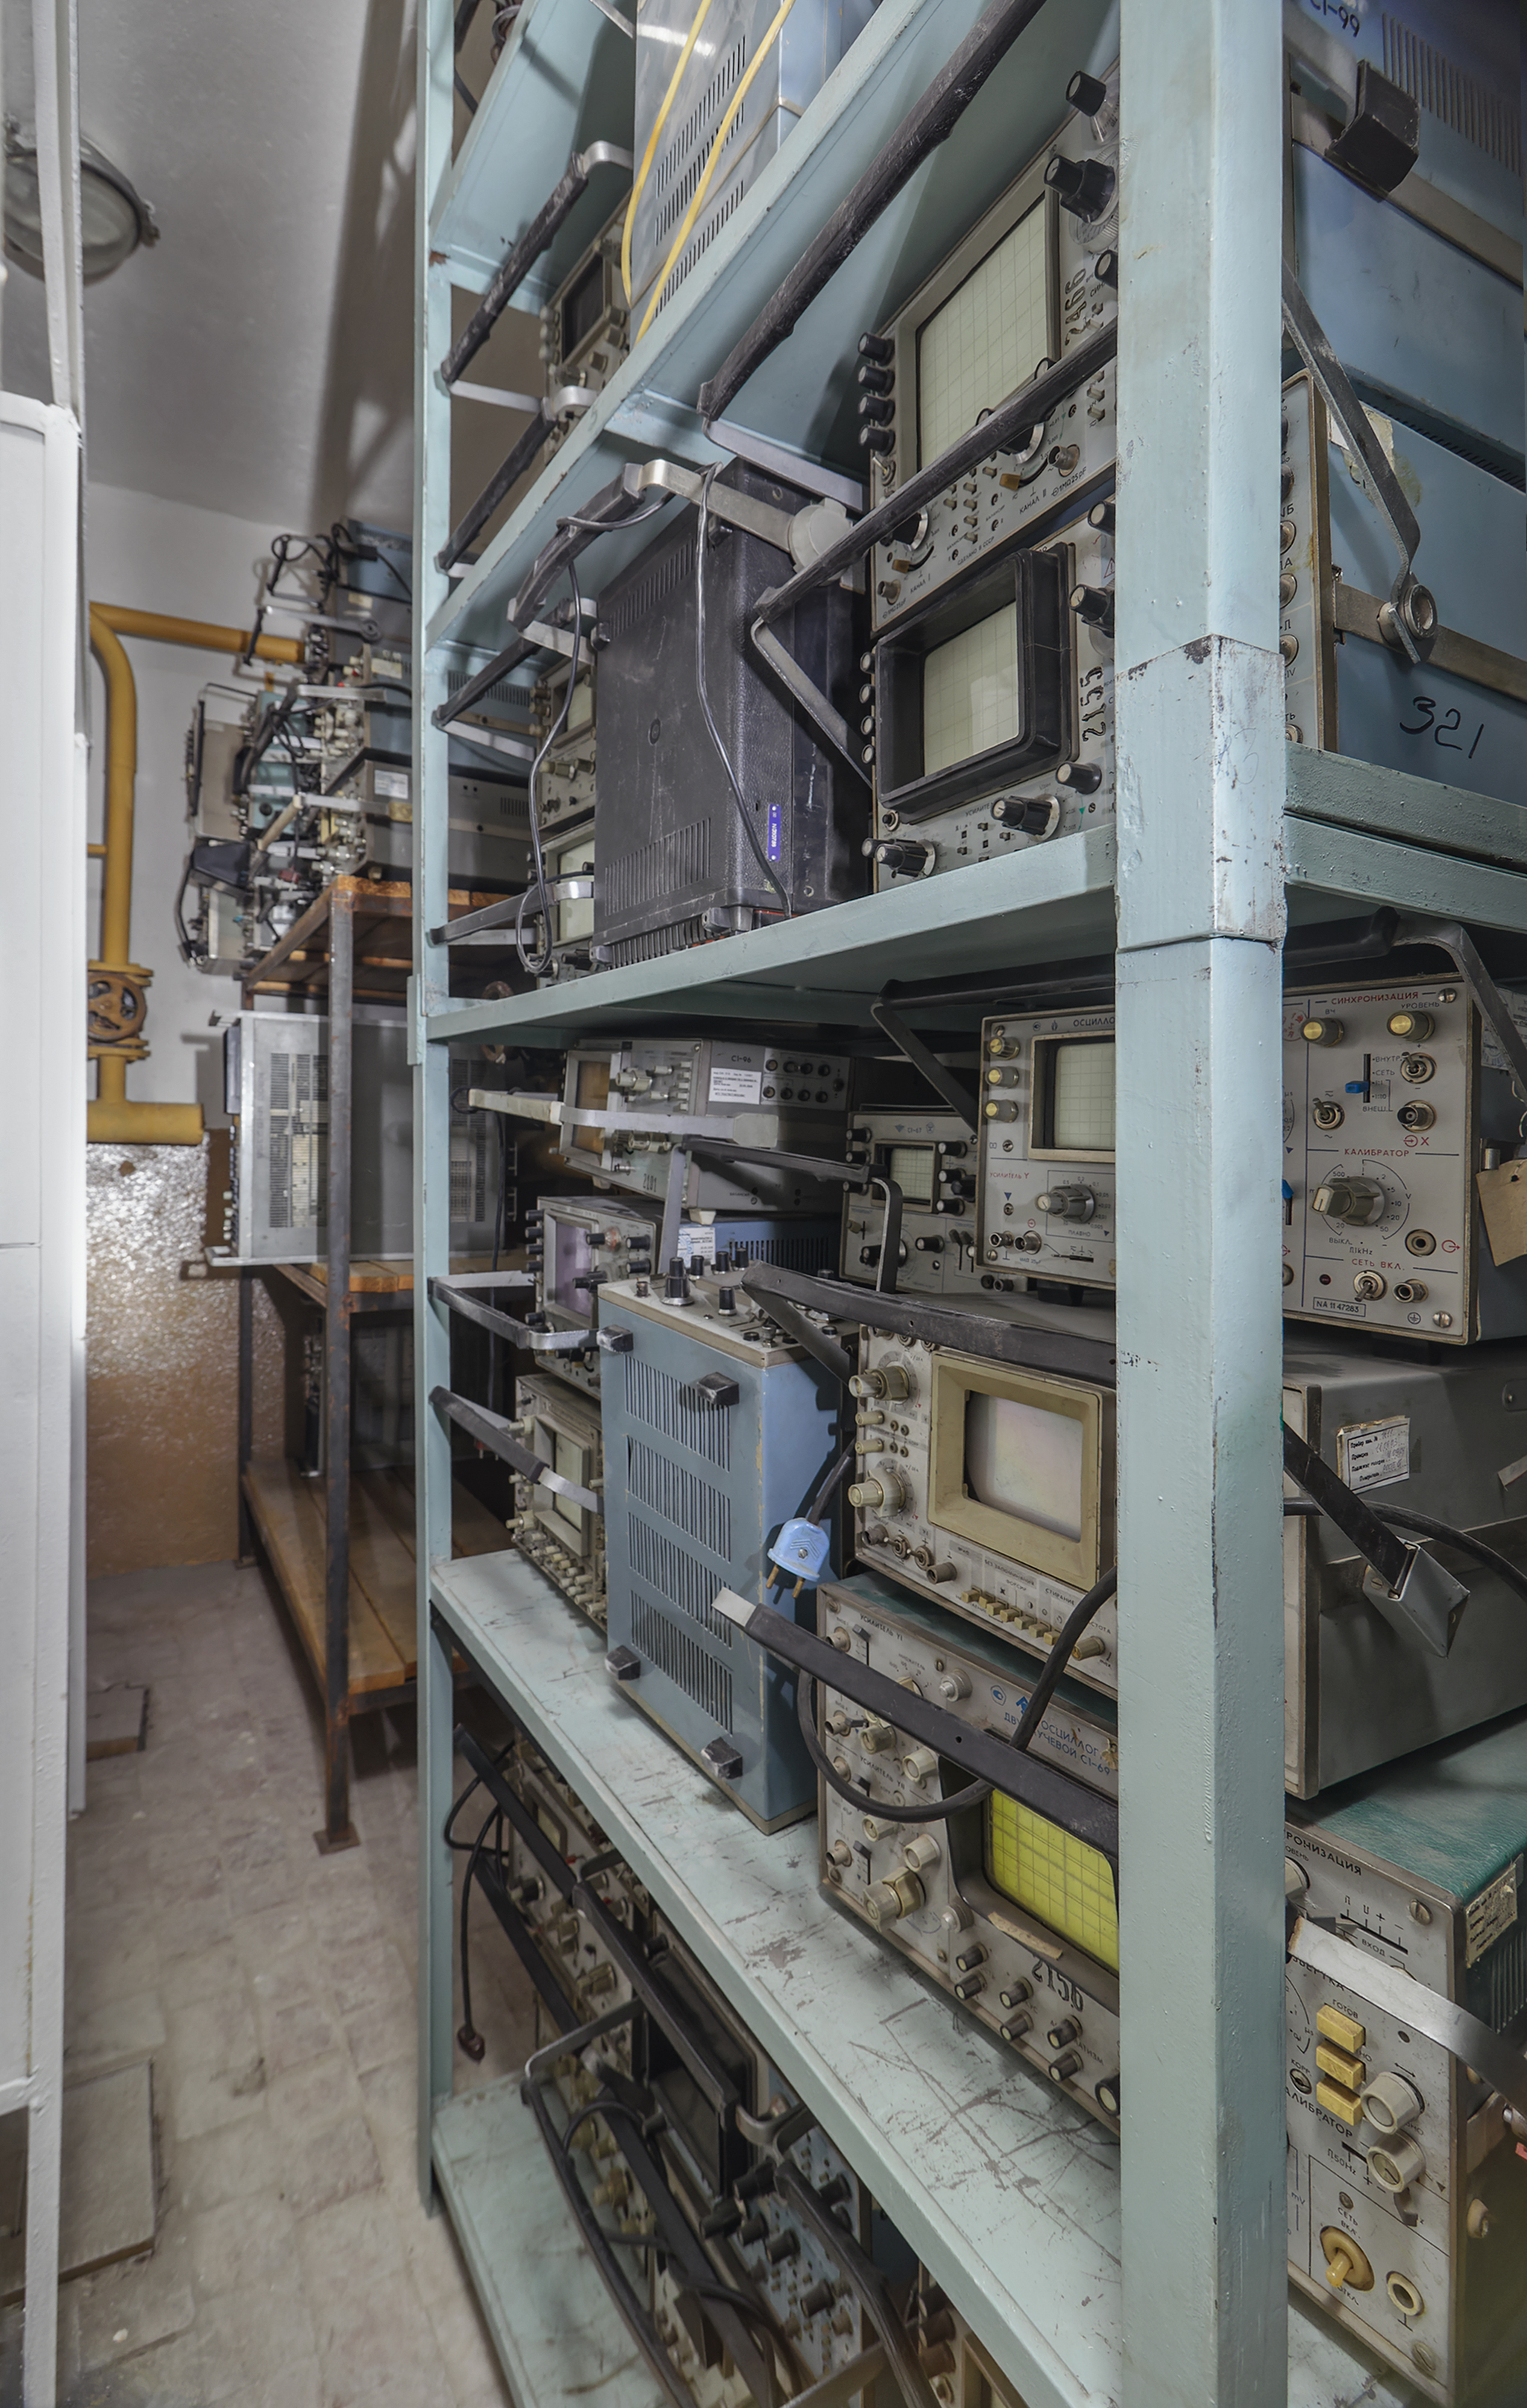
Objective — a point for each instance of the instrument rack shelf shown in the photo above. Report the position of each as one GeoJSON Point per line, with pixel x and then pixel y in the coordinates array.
{"type": "Point", "coordinates": [1053, 2245]}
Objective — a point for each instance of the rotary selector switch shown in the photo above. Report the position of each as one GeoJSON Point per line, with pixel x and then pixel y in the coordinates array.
{"type": "Point", "coordinates": [1350, 1197]}
{"type": "Point", "coordinates": [1067, 1203]}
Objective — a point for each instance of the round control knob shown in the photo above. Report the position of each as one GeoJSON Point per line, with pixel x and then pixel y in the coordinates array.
{"type": "Point", "coordinates": [1061, 2035]}
{"type": "Point", "coordinates": [917, 1763]}
{"type": "Point", "coordinates": [884, 1379]}
{"type": "Point", "coordinates": [1394, 2165]}
{"type": "Point", "coordinates": [1067, 1203]}
{"type": "Point", "coordinates": [1322, 1032]}
{"type": "Point", "coordinates": [1080, 776]}
{"type": "Point", "coordinates": [969, 1985]}
{"type": "Point", "coordinates": [876, 1737]}
{"type": "Point", "coordinates": [882, 1492]}
{"type": "Point", "coordinates": [995, 1111]}
{"type": "Point", "coordinates": [1002, 1078]}
{"type": "Point", "coordinates": [1093, 606]}
{"type": "Point", "coordinates": [908, 860]}
{"type": "Point", "coordinates": [1084, 186]}
{"type": "Point", "coordinates": [1349, 1198]}
{"type": "Point", "coordinates": [1391, 2102]}
{"type": "Point", "coordinates": [887, 1901]}
{"type": "Point", "coordinates": [1066, 2067]}
{"type": "Point", "coordinates": [921, 1853]}
{"type": "Point", "coordinates": [1416, 1025]}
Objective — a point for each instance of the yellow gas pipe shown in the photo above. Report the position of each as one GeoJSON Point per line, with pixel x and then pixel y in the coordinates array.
{"type": "Point", "coordinates": [111, 1119]}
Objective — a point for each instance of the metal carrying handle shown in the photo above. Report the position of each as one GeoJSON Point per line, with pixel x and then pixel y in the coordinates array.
{"type": "Point", "coordinates": [518, 261]}
{"type": "Point", "coordinates": [1409, 621]}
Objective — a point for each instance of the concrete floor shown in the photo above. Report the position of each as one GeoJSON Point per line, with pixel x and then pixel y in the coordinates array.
{"type": "Point", "coordinates": [272, 1989]}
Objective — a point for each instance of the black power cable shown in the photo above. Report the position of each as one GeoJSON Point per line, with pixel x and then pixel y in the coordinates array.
{"type": "Point", "coordinates": [769, 876]}
{"type": "Point", "coordinates": [537, 969]}
{"type": "Point", "coordinates": [937, 1811]}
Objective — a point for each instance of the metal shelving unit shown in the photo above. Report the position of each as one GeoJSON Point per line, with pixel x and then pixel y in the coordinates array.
{"type": "Point", "coordinates": [1156, 2275]}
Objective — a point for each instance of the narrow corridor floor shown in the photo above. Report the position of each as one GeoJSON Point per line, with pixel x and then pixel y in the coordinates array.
{"type": "Point", "coordinates": [272, 1989]}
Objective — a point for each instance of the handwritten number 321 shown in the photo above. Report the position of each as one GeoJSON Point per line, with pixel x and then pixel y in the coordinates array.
{"type": "Point", "coordinates": [1444, 731]}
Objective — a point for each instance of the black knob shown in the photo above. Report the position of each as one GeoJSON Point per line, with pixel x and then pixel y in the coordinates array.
{"type": "Point", "coordinates": [1084, 186]}
{"type": "Point", "coordinates": [952, 1149]}
{"type": "Point", "coordinates": [784, 2244]}
{"type": "Point", "coordinates": [818, 2296]}
{"type": "Point", "coordinates": [960, 1183]}
{"type": "Point", "coordinates": [752, 2229]}
{"type": "Point", "coordinates": [874, 410]}
{"type": "Point", "coordinates": [591, 1279]}
{"type": "Point", "coordinates": [877, 347]}
{"type": "Point", "coordinates": [870, 1256]}
{"type": "Point", "coordinates": [1086, 92]}
{"type": "Point", "coordinates": [1101, 516]}
{"type": "Point", "coordinates": [1106, 269]}
{"type": "Point", "coordinates": [1031, 814]}
{"type": "Point", "coordinates": [874, 379]}
{"type": "Point", "coordinates": [1094, 603]}
{"type": "Point", "coordinates": [911, 860]}
{"type": "Point", "coordinates": [721, 2221]}
{"type": "Point", "coordinates": [1082, 776]}
{"type": "Point", "coordinates": [727, 1300]}
{"type": "Point", "coordinates": [755, 2181]}
{"type": "Point", "coordinates": [835, 2190]}
{"type": "Point", "coordinates": [928, 1245]}
{"type": "Point", "coordinates": [876, 438]}
{"type": "Point", "coordinates": [675, 1288]}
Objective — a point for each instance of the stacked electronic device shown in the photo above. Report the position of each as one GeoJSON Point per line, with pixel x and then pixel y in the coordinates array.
{"type": "Point", "coordinates": [833, 1342]}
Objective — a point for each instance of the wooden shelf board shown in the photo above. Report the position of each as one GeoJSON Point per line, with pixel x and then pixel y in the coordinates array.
{"type": "Point", "coordinates": [1007, 2192]}
{"type": "Point", "coordinates": [560, 2340]}
{"type": "Point", "coordinates": [288, 1513]}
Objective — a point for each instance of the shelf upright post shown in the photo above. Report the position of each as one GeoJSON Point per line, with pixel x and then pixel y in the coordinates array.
{"type": "Point", "coordinates": [338, 1831]}
{"type": "Point", "coordinates": [1200, 916]}
{"type": "Point", "coordinates": [429, 989]}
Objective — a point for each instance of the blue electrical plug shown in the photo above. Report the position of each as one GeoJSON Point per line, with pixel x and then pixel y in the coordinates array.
{"type": "Point", "coordinates": [801, 1548]}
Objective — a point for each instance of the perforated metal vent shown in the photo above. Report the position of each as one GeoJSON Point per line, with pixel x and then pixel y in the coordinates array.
{"type": "Point", "coordinates": [703, 1512]}
{"type": "Point", "coordinates": [1489, 120]}
{"type": "Point", "coordinates": [677, 1576]}
{"type": "Point", "coordinates": [657, 1398]}
{"type": "Point", "coordinates": [667, 865]}
{"type": "Point", "coordinates": [711, 222]}
{"type": "Point", "coordinates": [682, 1659]}
{"type": "Point", "coordinates": [639, 602]}
{"type": "Point", "coordinates": [676, 938]}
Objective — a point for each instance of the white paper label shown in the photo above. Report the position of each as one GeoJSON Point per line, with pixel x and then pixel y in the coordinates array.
{"type": "Point", "coordinates": [696, 1243]}
{"type": "Point", "coordinates": [1375, 1454]}
{"type": "Point", "coordinates": [393, 785]}
{"type": "Point", "coordinates": [736, 1086]}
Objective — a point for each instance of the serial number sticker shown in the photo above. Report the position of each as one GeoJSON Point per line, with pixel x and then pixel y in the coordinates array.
{"type": "Point", "coordinates": [1487, 1916]}
{"type": "Point", "coordinates": [1375, 1454]}
{"type": "Point", "coordinates": [736, 1086]}
{"type": "Point", "coordinates": [393, 785]}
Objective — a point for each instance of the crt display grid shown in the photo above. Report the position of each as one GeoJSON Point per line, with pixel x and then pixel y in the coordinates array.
{"type": "Point", "coordinates": [1084, 1098]}
{"type": "Point", "coordinates": [1068, 1884]}
{"type": "Point", "coordinates": [987, 339]}
{"type": "Point", "coordinates": [970, 692]}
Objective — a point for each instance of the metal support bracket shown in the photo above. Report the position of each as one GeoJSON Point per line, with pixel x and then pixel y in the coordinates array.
{"type": "Point", "coordinates": [454, 1295]}
{"type": "Point", "coordinates": [937, 1324]}
{"type": "Point", "coordinates": [498, 1436]}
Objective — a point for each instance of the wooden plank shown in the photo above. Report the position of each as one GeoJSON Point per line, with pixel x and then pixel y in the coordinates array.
{"type": "Point", "coordinates": [385, 1569]}
{"type": "Point", "coordinates": [474, 1530]}
{"type": "Point", "coordinates": [289, 1515]}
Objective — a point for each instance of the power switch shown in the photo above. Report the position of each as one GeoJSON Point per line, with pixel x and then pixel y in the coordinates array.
{"type": "Point", "coordinates": [1332, 2024]}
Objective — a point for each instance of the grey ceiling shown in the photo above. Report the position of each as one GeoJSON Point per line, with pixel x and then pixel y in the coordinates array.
{"type": "Point", "coordinates": [258, 360]}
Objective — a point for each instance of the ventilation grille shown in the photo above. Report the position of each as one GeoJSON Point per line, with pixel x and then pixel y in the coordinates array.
{"type": "Point", "coordinates": [655, 943]}
{"type": "Point", "coordinates": [1497, 1986]}
{"type": "Point", "coordinates": [1489, 120]}
{"type": "Point", "coordinates": [670, 865]}
{"type": "Point", "coordinates": [693, 143]}
{"type": "Point", "coordinates": [636, 604]}
{"type": "Point", "coordinates": [660, 1400]}
{"type": "Point", "coordinates": [789, 1252]}
{"type": "Point", "coordinates": [683, 1659]}
{"type": "Point", "coordinates": [703, 1513]}
{"type": "Point", "coordinates": [505, 691]}
{"type": "Point", "coordinates": [712, 219]}
{"type": "Point", "coordinates": [680, 165]}
{"type": "Point", "coordinates": [680, 1579]}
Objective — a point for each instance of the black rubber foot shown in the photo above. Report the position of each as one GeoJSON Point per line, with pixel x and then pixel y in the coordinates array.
{"type": "Point", "coordinates": [472, 2043]}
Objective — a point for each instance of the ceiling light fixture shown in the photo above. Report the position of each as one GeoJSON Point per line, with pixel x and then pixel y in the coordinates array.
{"type": "Point", "coordinates": [114, 217]}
